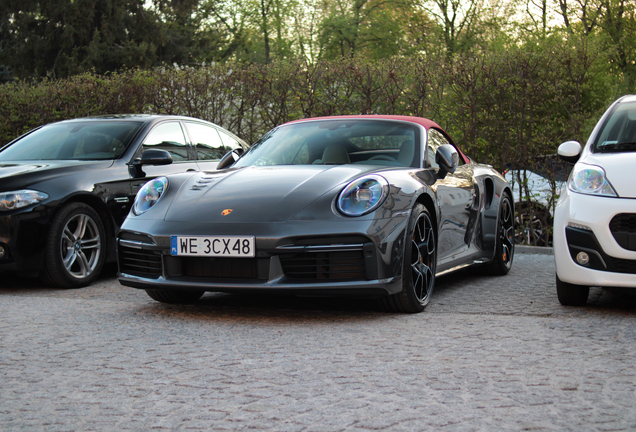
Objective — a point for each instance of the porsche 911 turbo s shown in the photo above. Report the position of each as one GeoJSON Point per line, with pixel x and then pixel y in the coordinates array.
{"type": "Point", "coordinates": [375, 206]}
{"type": "Point", "coordinates": [66, 187]}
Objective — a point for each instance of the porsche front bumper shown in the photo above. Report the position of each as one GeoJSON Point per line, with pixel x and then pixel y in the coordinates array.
{"type": "Point", "coordinates": [346, 258]}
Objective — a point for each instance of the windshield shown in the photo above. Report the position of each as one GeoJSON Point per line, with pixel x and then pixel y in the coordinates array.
{"type": "Point", "coordinates": [619, 131]}
{"type": "Point", "coordinates": [86, 140]}
{"type": "Point", "coordinates": [334, 142]}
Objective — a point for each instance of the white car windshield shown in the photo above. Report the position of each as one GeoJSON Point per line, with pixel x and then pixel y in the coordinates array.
{"type": "Point", "coordinates": [618, 134]}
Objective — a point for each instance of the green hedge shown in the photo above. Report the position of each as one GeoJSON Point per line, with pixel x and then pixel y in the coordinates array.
{"type": "Point", "coordinates": [500, 108]}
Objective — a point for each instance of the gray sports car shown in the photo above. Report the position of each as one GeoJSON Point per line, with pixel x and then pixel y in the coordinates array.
{"type": "Point", "coordinates": [375, 206]}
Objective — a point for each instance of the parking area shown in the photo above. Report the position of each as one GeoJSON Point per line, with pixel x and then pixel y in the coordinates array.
{"type": "Point", "coordinates": [489, 353]}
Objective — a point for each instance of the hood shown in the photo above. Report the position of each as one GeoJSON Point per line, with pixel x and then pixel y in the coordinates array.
{"type": "Point", "coordinates": [619, 169]}
{"type": "Point", "coordinates": [256, 194]}
{"type": "Point", "coordinates": [20, 175]}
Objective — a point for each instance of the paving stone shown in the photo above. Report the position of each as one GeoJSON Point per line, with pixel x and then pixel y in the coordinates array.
{"type": "Point", "coordinates": [489, 353]}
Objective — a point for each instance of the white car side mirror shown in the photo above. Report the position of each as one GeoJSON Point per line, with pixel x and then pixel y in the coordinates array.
{"type": "Point", "coordinates": [570, 151]}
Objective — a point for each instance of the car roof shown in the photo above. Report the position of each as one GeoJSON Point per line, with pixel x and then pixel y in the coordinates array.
{"type": "Point", "coordinates": [131, 117]}
{"type": "Point", "coordinates": [426, 123]}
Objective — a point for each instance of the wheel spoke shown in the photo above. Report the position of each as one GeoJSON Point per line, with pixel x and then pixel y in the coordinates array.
{"type": "Point", "coordinates": [91, 243]}
{"type": "Point", "coordinates": [84, 267]}
{"type": "Point", "coordinates": [81, 226]}
{"type": "Point", "coordinates": [67, 235]}
{"type": "Point", "coordinates": [69, 259]}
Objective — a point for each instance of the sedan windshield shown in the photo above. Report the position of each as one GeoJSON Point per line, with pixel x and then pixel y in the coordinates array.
{"type": "Point", "coordinates": [619, 131]}
{"type": "Point", "coordinates": [86, 140]}
{"type": "Point", "coordinates": [335, 142]}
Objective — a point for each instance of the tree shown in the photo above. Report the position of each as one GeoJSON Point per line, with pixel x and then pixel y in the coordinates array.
{"type": "Point", "coordinates": [458, 20]}
{"type": "Point", "coordinates": [63, 38]}
{"type": "Point", "coordinates": [371, 28]}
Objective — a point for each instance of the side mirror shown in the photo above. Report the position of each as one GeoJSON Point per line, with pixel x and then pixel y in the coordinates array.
{"type": "Point", "coordinates": [447, 158]}
{"type": "Point", "coordinates": [570, 151]}
{"type": "Point", "coordinates": [229, 158]}
{"type": "Point", "coordinates": [154, 157]}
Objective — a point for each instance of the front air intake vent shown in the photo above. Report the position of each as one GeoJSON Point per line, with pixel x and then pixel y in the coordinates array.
{"type": "Point", "coordinates": [139, 262]}
{"type": "Point", "coordinates": [346, 265]}
{"type": "Point", "coordinates": [623, 228]}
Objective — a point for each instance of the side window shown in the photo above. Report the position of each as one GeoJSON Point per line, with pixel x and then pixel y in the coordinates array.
{"type": "Point", "coordinates": [435, 139]}
{"type": "Point", "coordinates": [228, 141]}
{"type": "Point", "coordinates": [206, 141]}
{"type": "Point", "coordinates": [168, 136]}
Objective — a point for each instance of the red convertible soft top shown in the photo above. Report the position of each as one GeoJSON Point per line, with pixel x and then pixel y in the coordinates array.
{"type": "Point", "coordinates": [418, 120]}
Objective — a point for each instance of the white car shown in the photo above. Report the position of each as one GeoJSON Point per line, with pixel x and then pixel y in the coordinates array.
{"type": "Point", "coordinates": [595, 217]}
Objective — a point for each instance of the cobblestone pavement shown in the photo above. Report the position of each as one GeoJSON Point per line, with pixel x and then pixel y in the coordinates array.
{"type": "Point", "coordinates": [489, 353]}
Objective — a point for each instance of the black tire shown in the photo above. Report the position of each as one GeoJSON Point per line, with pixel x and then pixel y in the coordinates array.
{"type": "Point", "coordinates": [420, 263]}
{"type": "Point", "coordinates": [570, 294]}
{"type": "Point", "coordinates": [175, 297]}
{"type": "Point", "coordinates": [75, 248]}
{"type": "Point", "coordinates": [501, 262]}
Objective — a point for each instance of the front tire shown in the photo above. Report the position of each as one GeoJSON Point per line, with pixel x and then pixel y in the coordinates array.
{"type": "Point", "coordinates": [501, 263]}
{"type": "Point", "coordinates": [570, 294]}
{"type": "Point", "coordinates": [420, 263]}
{"type": "Point", "coordinates": [174, 297]}
{"type": "Point", "coordinates": [75, 249]}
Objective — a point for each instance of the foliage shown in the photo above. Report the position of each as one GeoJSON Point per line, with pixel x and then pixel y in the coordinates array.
{"type": "Point", "coordinates": [501, 107]}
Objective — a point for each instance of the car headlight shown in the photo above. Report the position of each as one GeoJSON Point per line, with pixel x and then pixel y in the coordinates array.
{"type": "Point", "coordinates": [590, 180]}
{"type": "Point", "coordinates": [18, 199]}
{"type": "Point", "coordinates": [363, 195]}
{"type": "Point", "coordinates": [149, 195]}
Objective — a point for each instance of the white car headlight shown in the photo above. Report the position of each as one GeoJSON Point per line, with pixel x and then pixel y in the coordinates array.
{"type": "Point", "coordinates": [590, 180]}
{"type": "Point", "coordinates": [363, 195]}
{"type": "Point", "coordinates": [18, 199]}
{"type": "Point", "coordinates": [149, 195]}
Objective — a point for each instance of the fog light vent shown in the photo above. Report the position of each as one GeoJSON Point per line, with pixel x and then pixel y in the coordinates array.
{"type": "Point", "coordinates": [583, 258]}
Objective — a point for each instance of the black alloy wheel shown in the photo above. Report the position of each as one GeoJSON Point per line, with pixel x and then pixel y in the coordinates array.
{"type": "Point", "coordinates": [75, 249]}
{"type": "Point", "coordinates": [533, 225]}
{"type": "Point", "coordinates": [420, 263]}
{"type": "Point", "coordinates": [505, 243]}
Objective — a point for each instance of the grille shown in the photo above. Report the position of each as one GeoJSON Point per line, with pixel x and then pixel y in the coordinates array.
{"type": "Point", "coordinates": [324, 265]}
{"type": "Point", "coordinates": [624, 222]}
{"type": "Point", "coordinates": [139, 262]}
{"type": "Point", "coordinates": [236, 268]}
{"type": "Point", "coordinates": [623, 228]}
{"type": "Point", "coordinates": [624, 265]}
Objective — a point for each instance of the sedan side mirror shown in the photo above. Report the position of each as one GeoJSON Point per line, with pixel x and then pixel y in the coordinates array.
{"type": "Point", "coordinates": [154, 157]}
{"type": "Point", "coordinates": [570, 151]}
{"type": "Point", "coordinates": [447, 158]}
{"type": "Point", "coordinates": [229, 158]}
{"type": "Point", "coordinates": [150, 157]}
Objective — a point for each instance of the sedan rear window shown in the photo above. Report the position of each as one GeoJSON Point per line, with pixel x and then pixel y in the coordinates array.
{"type": "Point", "coordinates": [89, 140]}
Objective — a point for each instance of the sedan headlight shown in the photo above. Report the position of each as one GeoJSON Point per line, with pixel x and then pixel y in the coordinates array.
{"type": "Point", "coordinates": [149, 195]}
{"type": "Point", "coordinates": [363, 195]}
{"type": "Point", "coordinates": [18, 199]}
{"type": "Point", "coordinates": [590, 180]}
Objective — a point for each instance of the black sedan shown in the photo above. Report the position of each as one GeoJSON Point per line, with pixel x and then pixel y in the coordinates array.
{"type": "Point", "coordinates": [375, 206]}
{"type": "Point", "coordinates": [66, 187]}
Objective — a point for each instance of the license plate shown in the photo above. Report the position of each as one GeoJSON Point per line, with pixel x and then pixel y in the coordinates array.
{"type": "Point", "coordinates": [213, 246]}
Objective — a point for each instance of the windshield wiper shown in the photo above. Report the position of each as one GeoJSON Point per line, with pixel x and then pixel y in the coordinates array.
{"type": "Point", "coordinates": [616, 144]}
